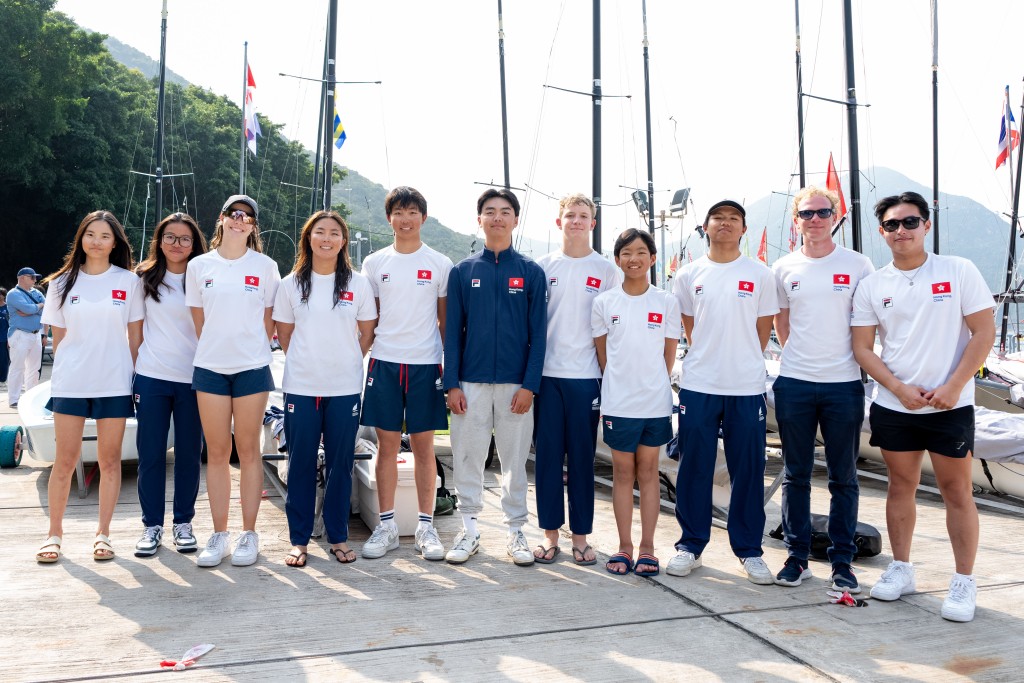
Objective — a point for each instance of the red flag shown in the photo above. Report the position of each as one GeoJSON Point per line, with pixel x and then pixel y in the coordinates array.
{"type": "Point", "coordinates": [654, 317]}
{"type": "Point", "coordinates": [252, 280]}
{"type": "Point", "coordinates": [762, 251]}
{"type": "Point", "coordinates": [423, 275]}
{"type": "Point", "coordinates": [833, 184]}
{"type": "Point", "coordinates": [593, 282]}
{"type": "Point", "coordinates": [118, 294]}
{"type": "Point", "coordinates": [515, 283]}
{"type": "Point", "coordinates": [347, 296]}
{"type": "Point", "coordinates": [940, 288]}
{"type": "Point", "coordinates": [1008, 137]}
{"type": "Point", "coordinates": [840, 279]}
{"type": "Point", "coordinates": [252, 124]}
{"type": "Point", "coordinates": [746, 286]}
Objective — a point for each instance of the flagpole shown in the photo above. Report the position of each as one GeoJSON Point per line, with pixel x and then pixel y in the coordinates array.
{"type": "Point", "coordinates": [332, 33]}
{"type": "Point", "coordinates": [596, 122]}
{"type": "Point", "coordinates": [245, 92]}
{"type": "Point", "coordinates": [935, 125]}
{"type": "Point", "coordinates": [1012, 254]}
{"type": "Point", "coordinates": [799, 100]}
{"type": "Point", "coordinates": [160, 119]}
{"type": "Point", "coordinates": [851, 114]}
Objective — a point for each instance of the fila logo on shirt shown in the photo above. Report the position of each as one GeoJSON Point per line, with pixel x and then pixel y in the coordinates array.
{"type": "Point", "coordinates": [118, 296]}
{"type": "Point", "coordinates": [745, 290]}
{"type": "Point", "coordinates": [593, 284]}
{"type": "Point", "coordinates": [682, 410]}
{"type": "Point", "coordinates": [615, 320]}
{"type": "Point", "coordinates": [252, 283]}
{"type": "Point", "coordinates": [138, 399]}
{"type": "Point", "coordinates": [840, 282]}
{"type": "Point", "coordinates": [515, 285]}
{"type": "Point", "coordinates": [291, 407]}
{"type": "Point", "coordinates": [654, 320]}
{"type": "Point", "coordinates": [208, 283]}
{"type": "Point", "coordinates": [608, 425]}
{"type": "Point", "coordinates": [553, 281]}
{"type": "Point", "coordinates": [941, 291]}
{"type": "Point", "coordinates": [74, 299]}
{"type": "Point", "coordinates": [423, 277]}
{"type": "Point", "coordinates": [887, 302]}
{"type": "Point", "coordinates": [698, 290]}
{"type": "Point", "coordinates": [794, 286]}
{"type": "Point", "coordinates": [475, 282]}
{"type": "Point", "coordinates": [385, 277]}
{"type": "Point", "coordinates": [369, 381]}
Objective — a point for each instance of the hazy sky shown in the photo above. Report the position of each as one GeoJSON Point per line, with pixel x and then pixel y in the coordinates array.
{"type": "Point", "coordinates": [722, 80]}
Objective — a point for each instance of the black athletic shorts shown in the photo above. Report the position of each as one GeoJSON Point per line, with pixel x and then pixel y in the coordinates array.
{"type": "Point", "coordinates": [946, 432]}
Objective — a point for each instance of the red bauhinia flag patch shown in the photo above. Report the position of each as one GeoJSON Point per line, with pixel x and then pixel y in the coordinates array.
{"type": "Point", "coordinates": [840, 279]}
{"type": "Point", "coordinates": [654, 317]}
{"type": "Point", "coordinates": [593, 282]}
{"type": "Point", "coordinates": [423, 274]}
{"type": "Point", "coordinates": [252, 280]}
{"type": "Point", "coordinates": [347, 296]}
{"type": "Point", "coordinates": [121, 294]}
{"type": "Point", "coordinates": [515, 282]}
{"type": "Point", "coordinates": [941, 288]}
{"type": "Point", "coordinates": [746, 286]}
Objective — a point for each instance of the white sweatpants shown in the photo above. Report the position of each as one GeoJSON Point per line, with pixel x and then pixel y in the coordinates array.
{"type": "Point", "coordinates": [26, 356]}
{"type": "Point", "coordinates": [488, 406]}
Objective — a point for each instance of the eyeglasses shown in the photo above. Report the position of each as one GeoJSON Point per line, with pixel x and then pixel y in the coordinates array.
{"type": "Point", "coordinates": [910, 223]}
{"type": "Point", "coordinates": [808, 214]}
{"type": "Point", "coordinates": [183, 240]}
{"type": "Point", "coordinates": [240, 215]}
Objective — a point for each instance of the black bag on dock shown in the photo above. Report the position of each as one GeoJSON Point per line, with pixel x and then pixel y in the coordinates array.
{"type": "Point", "coordinates": [867, 538]}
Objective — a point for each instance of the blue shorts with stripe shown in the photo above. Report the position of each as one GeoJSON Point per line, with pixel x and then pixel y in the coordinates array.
{"type": "Point", "coordinates": [625, 434]}
{"type": "Point", "coordinates": [406, 398]}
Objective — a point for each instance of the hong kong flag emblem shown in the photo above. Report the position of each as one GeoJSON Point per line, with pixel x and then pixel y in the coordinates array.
{"type": "Point", "coordinates": [347, 296]}
{"type": "Point", "coordinates": [941, 288]}
{"type": "Point", "coordinates": [120, 294]}
{"type": "Point", "coordinates": [654, 318]}
{"type": "Point", "coordinates": [593, 282]}
{"type": "Point", "coordinates": [422, 274]}
{"type": "Point", "coordinates": [746, 286]}
{"type": "Point", "coordinates": [515, 283]}
{"type": "Point", "coordinates": [252, 280]}
{"type": "Point", "coordinates": [840, 279]}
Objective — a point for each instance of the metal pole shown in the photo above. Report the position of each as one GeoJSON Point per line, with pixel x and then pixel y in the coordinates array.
{"type": "Point", "coordinates": [851, 114]}
{"type": "Point", "coordinates": [160, 119]}
{"type": "Point", "coordinates": [1012, 257]}
{"type": "Point", "coordinates": [245, 95]}
{"type": "Point", "coordinates": [597, 122]}
{"type": "Point", "coordinates": [800, 100]}
{"type": "Point", "coordinates": [935, 125]}
{"type": "Point", "coordinates": [332, 35]}
{"type": "Point", "coordinates": [504, 110]}
{"type": "Point", "coordinates": [319, 133]}
{"type": "Point", "coordinates": [650, 156]}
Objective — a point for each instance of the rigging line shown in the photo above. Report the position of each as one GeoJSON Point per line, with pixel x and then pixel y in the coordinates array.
{"type": "Point", "coordinates": [384, 130]}
{"type": "Point", "coordinates": [810, 84]}
{"type": "Point", "coordinates": [129, 192]}
{"type": "Point", "coordinates": [193, 208]}
{"type": "Point", "coordinates": [173, 149]}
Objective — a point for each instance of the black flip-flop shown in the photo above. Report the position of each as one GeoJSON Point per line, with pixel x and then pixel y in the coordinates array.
{"type": "Point", "coordinates": [583, 561]}
{"type": "Point", "coordinates": [300, 559]}
{"type": "Point", "coordinates": [544, 559]}
{"type": "Point", "coordinates": [342, 555]}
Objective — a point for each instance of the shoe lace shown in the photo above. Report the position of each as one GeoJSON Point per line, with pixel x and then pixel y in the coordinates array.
{"type": "Point", "coordinates": [245, 540]}
{"type": "Point", "coordinates": [465, 543]}
{"type": "Point", "coordinates": [429, 537]}
{"type": "Point", "coordinates": [893, 573]}
{"type": "Point", "coordinates": [792, 562]}
{"type": "Point", "coordinates": [518, 542]}
{"type": "Point", "coordinates": [755, 564]}
{"type": "Point", "coordinates": [958, 590]}
{"type": "Point", "coordinates": [214, 541]}
{"type": "Point", "coordinates": [150, 533]}
{"type": "Point", "coordinates": [379, 534]}
{"type": "Point", "coordinates": [183, 529]}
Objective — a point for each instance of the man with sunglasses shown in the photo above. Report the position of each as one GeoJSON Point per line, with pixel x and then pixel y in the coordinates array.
{"type": "Point", "coordinates": [934, 318]}
{"type": "Point", "coordinates": [818, 386]}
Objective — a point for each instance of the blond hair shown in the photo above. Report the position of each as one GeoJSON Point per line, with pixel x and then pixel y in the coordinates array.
{"type": "Point", "coordinates": [577, 198]}
{"type": "Point", "coordinates": [812, 191]}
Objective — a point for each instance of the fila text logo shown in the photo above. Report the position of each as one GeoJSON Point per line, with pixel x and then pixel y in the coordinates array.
{"type": "Point", "coordinates": [423, 275]}
{"type": "Point", "coordinates": [208, 283]}
{"type": "Point", "coordinates": [698, 290]}
{"type": "Point", "coordinates": [553, 281]}
{"type": "Point", "coordinates": [385, 277]}
{"type": "Point", "coordinates": [74, 299]}
{"type": "Point", "coordinates": [794, 285]}
{"type": "Point", "coordinates": [615, 320]}
{"type": "Point", "coordinates": [475, 282]}
{"type": "Point", "coordinates": [887, 302]}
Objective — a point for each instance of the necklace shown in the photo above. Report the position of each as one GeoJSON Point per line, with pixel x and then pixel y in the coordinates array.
{"type": "Point", "coordinates": [909, 278]}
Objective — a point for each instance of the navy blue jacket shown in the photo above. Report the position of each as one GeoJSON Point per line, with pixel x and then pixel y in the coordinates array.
{"type": "Point", "coordinates": [497, 319]}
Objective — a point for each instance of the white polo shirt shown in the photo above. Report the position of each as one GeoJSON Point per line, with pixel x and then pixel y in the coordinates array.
{"type": "Point", "coordinates": [572, 286]}
{"type": "Point", "coordinates": [921, 326]}
{"type": "Point", "coordinates": [725, 300]}
{"type": "Point", "coordinates": [408, 287]}
{"type": "Point", "coordinates": [324, 358]}
{"type": "Point", "coordinates": [234, 295]}
{"type": "Point", "coordinates": [636, 382]}
{"type": "Point", "coordinates": [168, 334]}
{"type": "Point", "coordinates": [94, 360]}
{"type": "Point", "coordinates": [819, 295]}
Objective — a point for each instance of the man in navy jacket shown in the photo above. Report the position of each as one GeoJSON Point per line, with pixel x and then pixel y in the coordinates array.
{"type": "Point", "coordinates": [493, 357]}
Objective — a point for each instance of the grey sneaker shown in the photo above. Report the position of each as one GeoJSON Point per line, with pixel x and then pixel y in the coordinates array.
{"type": "Point", "coordinates": [959, 603]}
{"type": "Point", "coordinates": [383, 539]}
{"type": "Point", "coordinates": [429, 544]}
{"type": "Point", "coordinates": [464, 548]}
{"type": "Point", "coordinates": [149, 543]}
{"type": "Point", "coordinates": [216, 549]}
{"type": "Point", "coordinates": [519, 549]}
{"type": "Point", "coordinates": [683, 563]}
{"type": "Point", "coordinates": [896, 581]}
{"type": "Point", "coordinates": [246, 550]}
{"type": "Point", "coordinates": [184, 539]}
{"type": "Point", "coordinates": [757, 571]}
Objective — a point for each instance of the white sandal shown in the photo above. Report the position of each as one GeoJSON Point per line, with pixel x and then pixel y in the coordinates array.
{"type": "Point", "coordinates": [101, 549]}
{"type": "Point", "coordinates": [50, 551]}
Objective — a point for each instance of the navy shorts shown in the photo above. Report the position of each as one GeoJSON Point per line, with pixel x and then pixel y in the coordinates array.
{"type": "Point", "coordinates": [404, 398]}
{"type": "Point", "coordinates": [626, 433]}
{"type": "Point", "coordinates": [947, 432]}
{"type": "Point", "coordinates": [236, 384]}
{"type": "Point", "coordinates": [95, 408]}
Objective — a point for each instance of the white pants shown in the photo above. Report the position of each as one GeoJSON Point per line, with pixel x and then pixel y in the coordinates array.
{"type": "Point", "coordinates": [488, 406]}
{"type": "Point", "coordinates": [26, 356]}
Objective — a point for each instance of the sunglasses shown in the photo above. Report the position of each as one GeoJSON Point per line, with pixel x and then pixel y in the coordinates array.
{"type": "Point", "coordinates": [808, 214]}
{"type": "Point", "coordinates": [910, 223]}
{"type": "Point", "coordinates": [240, 215]}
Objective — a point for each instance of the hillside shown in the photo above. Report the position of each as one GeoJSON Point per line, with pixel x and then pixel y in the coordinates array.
{"type": "Point", "coordinates": [134, 59]}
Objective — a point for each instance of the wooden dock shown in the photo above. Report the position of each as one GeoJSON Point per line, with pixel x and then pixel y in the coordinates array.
{"type": "Point", "coordinates": [402, 618]}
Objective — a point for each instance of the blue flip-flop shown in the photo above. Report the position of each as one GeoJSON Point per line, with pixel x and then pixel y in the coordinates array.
{"type": "Point", "coordinates": [618, 558]}
{"type": "Point", "coordinates": [647, 560]}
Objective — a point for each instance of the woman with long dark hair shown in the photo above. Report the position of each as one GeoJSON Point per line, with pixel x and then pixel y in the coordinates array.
{"type": "Point", "coordinates": [231, 291]}
{"type": "Point", "coordinates": [94, 306]}
{"type": "Point", "coordinates": [163, 385]}
{"type": "Point", "coordinates": [325, 316]}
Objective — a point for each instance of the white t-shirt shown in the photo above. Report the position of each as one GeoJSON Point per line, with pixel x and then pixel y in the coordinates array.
{"type": "Point", "coordinates": [819, 295]}
{"type": "Point", "coordinates": [636, 382]}
{"type": "Point", "coordinates": [168, 334]}
{"type": "Point", "coordinates": [324, 358]}
{"type": "Point", "coordinates": [408, 286]}
{"type": "Point", "coordinates": [573, 284]}
{"type": "Point", "coordinates": [922, 327]}
{"type": "Point", "coordinates": [234, 296]}
{"type": "Point", "coordinates": [93, 360]}
{"type": "Point", "coordinates": [725, 300]}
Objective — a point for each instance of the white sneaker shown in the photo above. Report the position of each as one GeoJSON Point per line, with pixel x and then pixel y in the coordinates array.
{"type": "Point", "coordinates": [184, 538]}
{"type": "Point", "coordinates": [757, 571]}
{"type": "Point", "coordinates": [150, 541]}
{"type": "Point", "coordinates": [959, 603]}
{"type": "Point", "coordinates": [683, 563]}
{"type": "Point", "coordinates": [464, 548]}
{"type": "Point", "coordinates": [896, 581]}
{"type": "Point", "coordinates": [216, 549]}
{"type": "Point", "coordinates": [383, 539]}
{"type": "Point", "coordinates": [247, 549]}
{"type": "Point", "coordinates": [519, 549]}
{"type": "Point", "coordinates": [429, 544]}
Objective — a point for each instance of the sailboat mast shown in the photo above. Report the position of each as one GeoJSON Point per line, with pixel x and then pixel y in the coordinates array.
{"type": "Point", "coordinates": [504, 109]}
{"type": "Point", "coordinates": [332, 34]}
{"type": "Point", "coordinates": [319, 132]}
{"type": "Point", "coordinates": [245, 93]}
{"type": "Point", "coordinates": [1012, 255]}
{"type": "Point", "coordinates": [851, 116]}
{"type": "Point", "coordinates": [799, 100]}
{"type": "Point", "coordinates": [650, 158]}
{"type": "Point", "coordinates": [160, 116]}
{"type": "Point", "coordinates": [597, 121]}
{"type": "Point", "coordinates": [935, 125]}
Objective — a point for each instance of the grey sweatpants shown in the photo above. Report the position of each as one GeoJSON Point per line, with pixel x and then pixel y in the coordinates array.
{"type": "Point", "coordinates": [488, 406]}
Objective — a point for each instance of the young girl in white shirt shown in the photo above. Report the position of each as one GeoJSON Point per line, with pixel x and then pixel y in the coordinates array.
{"type": "Point", "coordinates": [94, 306]}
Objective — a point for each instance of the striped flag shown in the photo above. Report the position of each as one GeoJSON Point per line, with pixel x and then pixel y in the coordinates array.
{"type": "Point", "coordinates": [1008, 137]}
{"type": "Point", "coordinates": [339, 130]}
{"type": "Point", "coordinates": [252, 124]}
{"type": "Point", "coordinates": [832, 183]}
